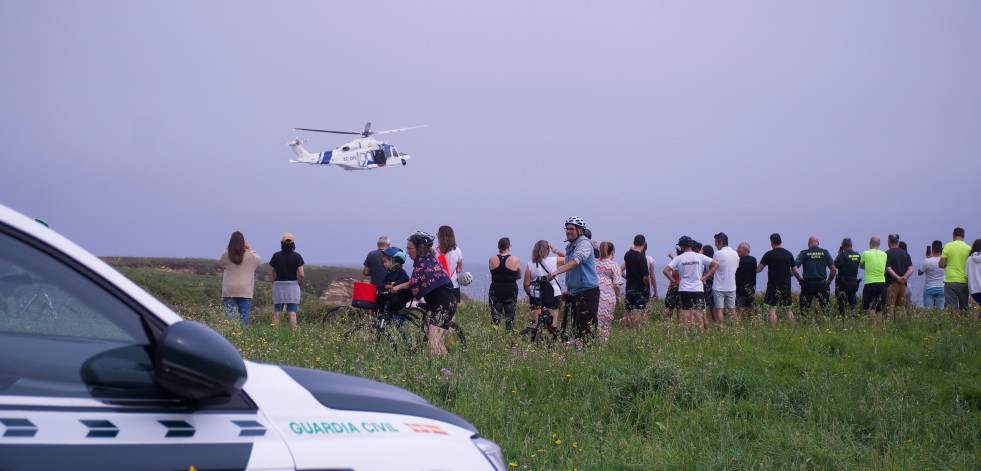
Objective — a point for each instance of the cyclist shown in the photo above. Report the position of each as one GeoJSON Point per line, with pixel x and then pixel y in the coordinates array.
{"type": "Point", "coordinates": [581, 279]}
{"type": "Point", "coordinates": [430, 281]}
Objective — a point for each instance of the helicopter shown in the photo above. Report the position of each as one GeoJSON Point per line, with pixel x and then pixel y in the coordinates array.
{"type": "Point", "coordinates": [364, 153]}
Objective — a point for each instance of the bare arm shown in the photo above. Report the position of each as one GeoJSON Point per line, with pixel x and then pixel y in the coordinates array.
{"type": "Point", "coordinates": [712, 267]}
{"type": "Point", "coordinates": [366, 271]}
{"type": "Point", "coordinates": [272, 275]}
{"type": "Point", "coordinates": [759, 268]}
{"type": "Point", "coordinates": [943, 262]}
{"type": "Point", "coordinates": [556, 251]}
{"type": "Point", "coordinates": [909, 273]}
{"type": "Point", "coordinates": [527, 282]}
{"type": "Point", "coordinates": [669, 274]}
{"type": "Point", "coordinates": [300, 275]}
{"type": "Point", "coordinates": [831, 275]}
{"type": "Point", "coordinates": [564, 268]}
{"type": "Point", "coordinates": [793, 271]}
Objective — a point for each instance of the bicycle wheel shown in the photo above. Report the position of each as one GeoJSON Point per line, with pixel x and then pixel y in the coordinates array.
{"type": "Point", "coordinates": [419, 320]}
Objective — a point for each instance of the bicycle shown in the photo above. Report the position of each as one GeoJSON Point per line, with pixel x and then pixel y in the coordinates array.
{"type": "Point", "coordinates": [380, 318]}
{"type": "Point", "coordinates": [544, 318]}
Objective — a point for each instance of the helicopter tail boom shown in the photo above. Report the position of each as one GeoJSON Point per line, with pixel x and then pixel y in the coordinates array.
{"type": "Point", "coordinates": [307, 158]}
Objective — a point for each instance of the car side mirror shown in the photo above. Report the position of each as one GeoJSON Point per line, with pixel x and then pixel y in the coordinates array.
{"type": "Point", "coordinates": [197, 363]}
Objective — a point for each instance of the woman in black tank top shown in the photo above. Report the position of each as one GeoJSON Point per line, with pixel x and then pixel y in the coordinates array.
{"type": "Point", "coordinates": [503, 294]}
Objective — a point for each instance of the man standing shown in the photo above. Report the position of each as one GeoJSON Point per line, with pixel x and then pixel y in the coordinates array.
{"type": "Point", "coordinates": [952, 260]}
{"type": "Point", "coordinates": [637, 290]}
{"type": "Point", "coordinates": [745, 280]}
{"type": "Point", "coordinates": [933, 287]}
{"type": "Point", "coordinates": [846, 285]}
{"type": "Point", "coordinates": [781, 267]}
{"type": "Point", "coordinates": [724, 288]}
{"type": "Point", "coordinates": [814, 262]}
{"type": "Point", "coordinates": [581, 279]}
{"type": "Point", "coordinates": [374, 263]}
{"type": "Point", "coordinates": [689, 268]}
{"type": "Point", "coordinates": [899, 267]}
{"type": "Point", "coordinates": [873, 261]}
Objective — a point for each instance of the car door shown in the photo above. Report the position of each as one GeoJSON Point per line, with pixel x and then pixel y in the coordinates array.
{"type": "Point", "coordinates": [77, 387]}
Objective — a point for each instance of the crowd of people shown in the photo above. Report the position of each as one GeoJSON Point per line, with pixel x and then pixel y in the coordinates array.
{"type": "Point", "coordinates": [705, 282]}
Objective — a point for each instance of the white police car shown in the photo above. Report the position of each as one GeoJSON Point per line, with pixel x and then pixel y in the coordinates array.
{"type": "Point", "coordinates": [97, 374]}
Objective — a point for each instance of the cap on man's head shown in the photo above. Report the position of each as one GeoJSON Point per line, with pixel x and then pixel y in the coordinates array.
{"type": "Point", "coordinates": [288, 238]}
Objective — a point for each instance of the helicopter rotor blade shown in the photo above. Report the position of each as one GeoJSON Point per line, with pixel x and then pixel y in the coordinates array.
{"type": "Point", "coordinates": [367, 129]}
{"type": "Point", "coordinates": [324, 130]}
{"type": "Point", "coordinates": [399, 130]}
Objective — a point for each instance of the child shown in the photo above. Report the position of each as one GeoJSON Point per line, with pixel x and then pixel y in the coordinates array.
{"type": "Point", "coordinates": [393, 258]}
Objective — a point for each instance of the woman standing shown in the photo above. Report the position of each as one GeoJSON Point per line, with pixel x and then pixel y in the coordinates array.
{"type": "Point", "coordinates": [609, 284]}
{"type": "Point", "coordinates": [429, 281]}
{"type": "Point", "coordinates": [505, 271]}
{"type": "Point", "coordinates": [286, 274]}
{"type": "Point", "coordinates": [238, 263]}
{"type": "Point", "coordinates": [451, 257]}
{"type": "Point", "coordinates": [539, 267]}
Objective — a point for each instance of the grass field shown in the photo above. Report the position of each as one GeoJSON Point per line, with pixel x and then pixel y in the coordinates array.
{"type": "Point", "coordinates": [811, 395]}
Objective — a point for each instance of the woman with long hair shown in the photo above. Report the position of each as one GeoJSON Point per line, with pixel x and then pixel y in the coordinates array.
{"type": "Point", "coordinates": [609, 283]}
{"type": "Point", "coordinates": [538, 268]}
{"type": "Point", "coordinates": [238, 263]}
{"type": "Point", "coordinates": [450, 256]}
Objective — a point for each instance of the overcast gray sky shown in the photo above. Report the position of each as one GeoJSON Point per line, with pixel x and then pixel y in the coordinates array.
{"type": "Point", "coordinates": [158, 128]}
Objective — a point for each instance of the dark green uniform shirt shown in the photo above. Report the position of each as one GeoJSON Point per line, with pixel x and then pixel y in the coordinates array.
{"type": "Point", "coordinates": [815, 262]}
{"type": "Point", "coordinates": [847, 264]}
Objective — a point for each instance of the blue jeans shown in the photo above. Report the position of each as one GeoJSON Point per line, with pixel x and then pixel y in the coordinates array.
{"type": "Point", "coordinates": [934, 297]}
{"type": "Point", "coordinates": [244, 306]}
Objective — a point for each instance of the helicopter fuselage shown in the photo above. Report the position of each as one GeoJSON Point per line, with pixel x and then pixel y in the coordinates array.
{"type": "Point", "coordinates": [360, 154]}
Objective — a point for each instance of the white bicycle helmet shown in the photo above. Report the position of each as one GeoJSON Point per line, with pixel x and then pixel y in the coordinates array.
{"type": "Point", "coordinates": [465, 278]}
{"type": "Point", "coordinates": [576, 221]}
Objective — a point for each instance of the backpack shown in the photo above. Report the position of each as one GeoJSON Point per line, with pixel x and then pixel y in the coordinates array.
{"type": "Point", "coordinates": [546, 292]}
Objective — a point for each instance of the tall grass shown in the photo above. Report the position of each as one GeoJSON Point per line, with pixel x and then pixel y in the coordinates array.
{"type": "Point", "coordinates": [824, 393]}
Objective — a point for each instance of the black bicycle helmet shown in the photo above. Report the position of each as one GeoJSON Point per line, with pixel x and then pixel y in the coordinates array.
{"type": "Point", "coordinates": [421, 238]}
{"type": "Point", "coordinates": [685, 241]}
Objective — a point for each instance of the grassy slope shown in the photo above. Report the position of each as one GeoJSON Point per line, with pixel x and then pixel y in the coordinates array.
{"type": "Point", "coordinates": [829, 395]}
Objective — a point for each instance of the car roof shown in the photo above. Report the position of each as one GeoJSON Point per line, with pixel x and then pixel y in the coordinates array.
{"type": "Point", "coordinates": [60, 243]}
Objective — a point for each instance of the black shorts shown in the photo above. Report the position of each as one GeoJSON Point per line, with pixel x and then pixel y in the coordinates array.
{"type": "Point", "coordinates": [745, 301]}
{"type": "Point", "coordinates": [636, 300]}
{"type": "Point", "coordinates": [692, 300]}
{"type": "Point", "coordinates": [777, 297]}
{"type": "Point", "coordinates": [442, 307]}
{"type": "Point", "coordinates": [874, 296]}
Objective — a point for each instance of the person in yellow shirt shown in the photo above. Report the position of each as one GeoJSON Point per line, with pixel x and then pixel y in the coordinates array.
{"type": "Point", "coordinates": [952, 260]}
{"type": "Point", "coordinates": [873, 261]}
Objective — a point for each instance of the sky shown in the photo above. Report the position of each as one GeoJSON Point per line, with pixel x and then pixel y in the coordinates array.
{"type": "Point", "coordinates": [159, 128]}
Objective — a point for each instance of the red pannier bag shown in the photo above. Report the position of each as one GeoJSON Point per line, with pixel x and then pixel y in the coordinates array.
{"type": "Point", "coordinates": [364, 295]}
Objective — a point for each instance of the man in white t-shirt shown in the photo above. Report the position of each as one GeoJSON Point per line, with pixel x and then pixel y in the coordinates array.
{"type": "Point", "coordinates": [933, 286]}
{"type": "Point", "coordinates": [689, 267]}
{"type": "Point", "coordinates": [724, 288]}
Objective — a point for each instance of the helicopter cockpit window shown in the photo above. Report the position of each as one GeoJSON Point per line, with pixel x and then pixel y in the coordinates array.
{"type": "Point", "coordinates": [395, 152]}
